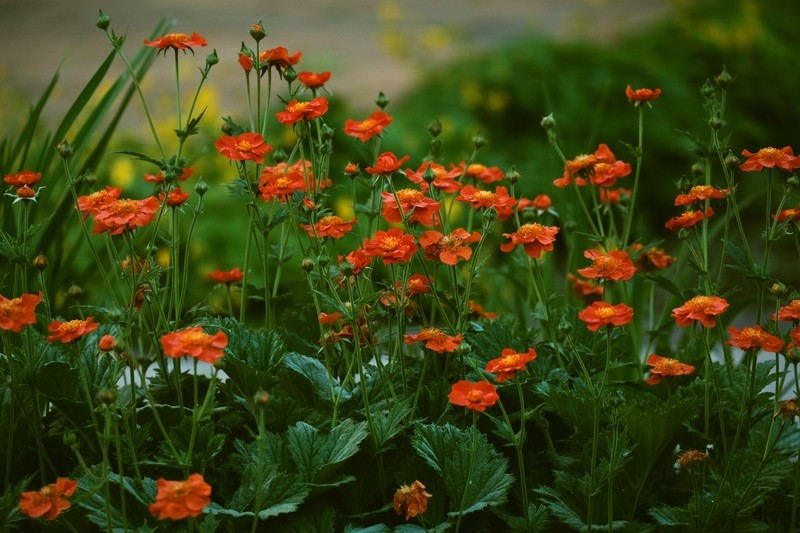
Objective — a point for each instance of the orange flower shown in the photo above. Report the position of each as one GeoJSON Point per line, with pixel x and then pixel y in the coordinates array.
{"type": "Point", "coordinates": [448, 248]}
{"type": "Point", "coordinates": [194, 342]}
{"type": "Point", "coordinates": [604, 314]}
{"type": "Point", "coordinates": [417, 284]}
{"type": "Point", "coordinates": [246, 61]}
{"type": "Point", "coordinates": [69, 331]}
{"type": "Point", "coordinates": [690, 457]}
{"type": "Point", "coordinates": [754, 338]}
{"type": "Point", "coordinates": [609, 197]}
{"type": "Point", "coordinates": [411, 500]}
{"type": "Point", "coordinates": [789, 312]}
{"type": "Point", "coordinates": [483, 173]}
{"type": "Point", "coordinates": [474, 396]}
{"type": "Point", "coordinates": [688, 219]}
{"type": "Point", "coordinates": [230, 276]}
{"type": "Point", "coordinates": [180, 499]}
{"type": "Point", "coordinates": [534, 238]}
{"type": "Point", "coordinates": [279, 58]}
{"type": "Point", "coordinates": [387, 163]}
{"type": "Point", "coordinates": [247, 146]}
{"type": "Point", "coordinates": [435, 339]}
{"type": "Point", "coordinates": [641, 95]}
{"type": "Point", "coordinates": [119, 215]}
{"type": "Point", "coordinates": [186, 173]}
{"type": "Point", "coordinates": [87, 204]}
{"type": "Point", "coordinates": [542, 202]}
{"type": "Point", "coordinates": [50, 500]}
{"type": "Point", "coordinates": [366, 129]}
{"type": "Point", "coordinates": [615, 265]}
{"type": "Point", "coordinates": [580, 168]}
{"type": "Point", "coordinates": [412, 204]}
{"type": "Point", "coordinates": [329, 319]}
{"type": "Point", "coordinates": [357, 260]}
{"type": "Point", "coordinates": [606, 174]}
{"type": "Point", "coordinates": [443, 179]}
{"type": "Point", "coordinates": [329, 226]}
{"type": "Point", "coordinates": [18, 312]}
{"type": "Point", "coordinates": [792, 214]}
{"type": "Point", "coordinates": [702, 309]}
{"type": "Point", "coordinates": [175, 198]}
{"type": "Point", "coordinates": [700, 193]}
{"type": "Point", "coordinates": [665, 366]}
{"type": "Point", "coordinates": [502, 203]}
{"type": "Point", "coordinates": [296, 111]}
{"type": "Point", "coordinates": [176, 41]}
{"type": "Point", "coordinates": [282, 182]}
{"type": "Point", "coordinates": [770, 158]}
{"type": "Point", "coordinates": [314, 80]}
{"type": "Point", "coordinates": [509, 363]}
{"type": "Point", "coordinates": [351, 169]}
{"type": "Point", "coordinates": [477, 310]}
{"type": "Point", "coordinates": [392, 246]}
{"type": "Point", "coordinates": [20, 179]}
{"type": "Point", "coordinates": [107, 343]}
{"type": "Point", "coordinates": [588, 291]}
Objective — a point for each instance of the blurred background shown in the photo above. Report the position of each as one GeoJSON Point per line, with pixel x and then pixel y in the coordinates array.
{"type": "Point", "coordinates": [476, 66]}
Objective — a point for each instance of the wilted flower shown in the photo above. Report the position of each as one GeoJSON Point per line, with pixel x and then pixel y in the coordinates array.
{"type": "Point", "coordinates": [411, 500]}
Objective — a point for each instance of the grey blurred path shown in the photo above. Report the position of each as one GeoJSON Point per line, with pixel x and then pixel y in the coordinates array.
{"type": "Point", "coordinates": [368, 45]}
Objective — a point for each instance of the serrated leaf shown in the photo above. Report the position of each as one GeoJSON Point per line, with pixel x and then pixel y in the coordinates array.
{"type": "Point", "coordinates": [740, 260]}
{"type": "Point", "coordinates": [315, 373]}
{"type": "Point", "coordinates": [665, 283]}
{"type": "Point", "coordinates": [386, 424]}
{"type": "Point", "coordinates": [484, 477]}
{"type": "Point", "coordinates": [57, 380]}
{"type": "Point", "coordinates": [666, 515]}
{"type": "Point", "coordinates": [317, 455]}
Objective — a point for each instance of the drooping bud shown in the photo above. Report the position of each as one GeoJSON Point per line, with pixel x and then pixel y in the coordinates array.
{"type": "Point", "coordinates": [698, 169]}
{"type": "Point", "coordinates": [279, 155]}
{"type": "Point", "coordinates": [75, 291]}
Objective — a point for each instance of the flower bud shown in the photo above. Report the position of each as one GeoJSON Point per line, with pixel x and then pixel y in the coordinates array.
{"type": "Point", "coordinates": [88, 177]}
{"type": "Point", "coordinates": [435, 128]}
{"type": "Point", "coordinates": [289, 74]}
{"type": "Point", "coordinates": [429, 175]}
{"type": "Point", "coordinates": [548, 122]}
{"type": "Point", "coordinates": [464, 348]}
{"type": "Point", "coordinates": [716, 123]}
{"type": "Point", "coordinates": [698, 169]}
{"type": "Point", "coordinates": [260, 399]}
{"type": "Point", "coordinates": [64, 149]}
{"type": "Point", "coordinates": [25, 193]}
{"type": "Point", "coordinates": [793, 181]}
{"type": "Point", "coordinates": [323, 259]}
{"type": "Point", "coordinates": [326, 132]}
{"type": "Point", "coordinates": [75, 291]}
{"type": "Point", "coordinates": [708, 89]}
{"type": "Point", "coordinates": [308, 264]}
{"type": "Point", "coordinates": [257, 31]}
{"type": "Point", "coordinates": [724, 79]}
{"type": "Point", "coordinates": [107, 395]}
{"type": "Point", "coordinates": [107, 343]}
{"type": "Point", "coordinates": [489, 215]}
{"type": "Point", "coordinates": [226, 128]}
{"type": "Point", "coordinates": [347, 268]}
{"type": "Point", "coordinates": [382, 101]}
{"type": "Point", "coordinates": [683, 234]}
{"type": "Point", "coordinates": [479, 141]}
{"type": "Point", "coordinates": [40, 262]}
{"type": "Point", "coordinates": [731, 161]}
{"type": "Point", "coordinates": [70, 439]}
{"type": "Point", "coordinates": [212, 58]}
{"type": "Point", "coordinates": [279, 155]}
{"type": "Point", "coordinates": [103, 20]}
{"type": "Point", "coordinates": [779, 289]}
{"type": "Point", "coordinates": [201, 187]}
{"type": "Point", "coordinates": [512, 175]}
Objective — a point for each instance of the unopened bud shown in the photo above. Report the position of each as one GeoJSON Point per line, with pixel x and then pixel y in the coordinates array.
{"type": "Point", "coordinates": [308, 264]}
{"type": "Point", "coordinates": [708, 89]}
{"type": "Point", "coordinates": [382, 101]}
{"type": "Point", "coordinates": [512, 175]}
{"type": "Point", "coordinates": [40, 262]}
{"type": "Point", "coordinates": [289, 74]}
{"type": "Point", "coordinates": [724, 79]}
{"type": "Point", "coordinates": [716, 123]}
{"type": "Point", "coordinates": [548, 122]}
{"type": "Point", "coordinates": [323, 259]}
{"type": "Point", "coordinates": [464, 348]}
{"type": "Point", "coordinates": [64, 149]}
{"type": "Point", "coordinates": [479, 141]}
{"type": "Point", "coordinates": [257, 31]}
{"type": "Point", "coordinates": [201, 187]}
{"type": "Point", "coordinates": [429, 175]}
{"type": "Point", "coordinates": [489, 215]}
{"type": "Point", "coordinates": [793, 182]}
{"type": "Point", "coordinates": [698, 169]}
{"type": "Point", "coordinates": [326, 132]}
{"type": "Point", "coordinates": [435, 128]}
{"type": "Point", "coordinates": [103, 20]}
{"type": "Point", "coordinates": [683, 234]}
{"type": "Point", "coordinates": [70, 439]}
{"type": "Point", "coordinates": [731, 161]}
{"type": "Point", "coordinates": [260, 399]}
{"type": "Point", "coordinates": [779, 289]}
{"type": "Point", "coordinates": [347, 268]}
{"type": "Point", "coordinates": [88, 177]}
{"type": "Point", "coordinates": [107, 395]}
{"type": "Point", "coordinates": [212, 58]}
{"type": "Point", "coordinates": [279, 155]}
{"type": "Point", "coordinates": [74, 291]}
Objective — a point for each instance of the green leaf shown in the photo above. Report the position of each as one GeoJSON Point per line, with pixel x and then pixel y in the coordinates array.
{"type": "Point", "coordinates": [666, 515]}
{"type": "Point", "coordinates": [141, 157]}
{"type": "Point", "coordinates": [313, 371]}
{"type": "Point", "coordinates": [447, 449]}
{"type": "Point", "coordinates": [666, 284]}
{"type": "Point", "coordinates": [58, 381]}
{"type": "Point", "coordinates": [318, 455]}
{"type": "Point", "coordinates": [740, 260]}
{"type": "Point", "coordinates": [388, 423]}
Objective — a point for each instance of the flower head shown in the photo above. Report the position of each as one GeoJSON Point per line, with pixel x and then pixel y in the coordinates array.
{"type": "Point", "coordinates": [330, 226]}
{"type": "Point", "coordinates": [366, 129]}
{"type": "Point", "coordinates": [665, 366]}
{"type": "Point", "coordinates": [175, 198]}
{"type": "Point", "coordinates": [478, 311]}
{"type": "Point", "coordinates": [789, 312]}
{"type": "Point", "coordinates": [314, 80]}
{"type": "Point", "coordinates": [410, 203]}
{"type": "Point", "coordinates": [15, 313]}
{"type": "Point", "coordinates": [588, 291]}
{"type": "Point", "coordinates": [227, 276]}
{"type": "Point", "coordinates": [443, 179]}
{"type": "Point", "coordinates": [534, 238]}
{"type": "Point", "coordinates": [279, 58]}
{"type": "Point", "coordinates": [509, 363]}
{"type": "Point", "coordinates": [392, 246]}
{"type": "Point", "coordinates": [636, 97]}
{"type": "Point", "coordinates": [688, 219]}
{"type": "Point", "coordinates": [499, 200]}
{"type": "Point", "coordinates": [474, 396]}
{"type": "Point", "coordinates": [247, 146]}
{"type": "Point", "coordinates": [604, 314]}
{"type": "Point", "coordinates": [87, 204]}
{"type": "Point", "coordinates": [411, 500]}
{"type": "Point", "coordinates": [770, 158]}
{"type": "Point", "coordinates": [186, 173]}
{"type": "Point", "coordinates": [177, 41]}
{"type": "Point", "coordinates": [115, 216]}
{"type": "Point", "coordinates": [20, 179]}
{"type": "Point", "coordinates": [701, 193]}
{"type": "Point", "coordinates": [448, 248]}
{"type": "Point", "coordinates": [690, 458]}
{"type": "Point", "coordinates": [50, 500]}
{"type": "Point", "coordinates": [387, 163]}
{"type": "Point", "coordinates": [701, 309]}
{"type": "Point", "coordinates": [65, 332]}
{"type": "Point", "coordinates": [296, 111]}
{"type": "Point", "coordinates": [196, 343]}
{"type": "Point", "coordinates": [435, 339]}
{"type": "Point", "coordinates": [754, 338]}
{"type": "Point", "coordinates": [181, 499]}
{"type": "Point", "coordinates": [107, 343]}
{"type": "Point", "coordinates": [606, 174]}
{"type": "Point", "coordinates": [483, 173]}
{"type": "Point", "coordinates": [615, 265]}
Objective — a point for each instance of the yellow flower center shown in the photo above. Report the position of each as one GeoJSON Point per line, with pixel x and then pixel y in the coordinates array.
{"type": "Point", "coordinates": [72, 325]}
{"type": "Point", "coordinates": [607, 265]}
{"type": "Point", "coordinates": [753, 335]}
{"type": "Point", "coordinates": [698, 190]}
{"type": "Point", "coordinates": [475, 396]}
{"type": "Point", "coordinates": [194, 338]}
{"type": "Point", "coordinates": [390, 243]}
{"type": "Point", "coordinates": [282, 183]}
{"type": "Point", "coordinates": [124, 207]}
{"type": "Point", "coordinates": [434, 334]}
{"type": "Point", "coordinates": [510, 360]}
{"type": "Point", "coordinates": [243, 146]}
{"type": "Point", "coordinates": [366, 125]}
{"type": "Point", "coordinates": [330, 220]}
{"type": "Point", "coordinates": [299, 107]}
{"type": "Point", "coordinates": [409, 195]}
{"type": "Point", "coordinates": [530, 231]}
{"type": "Point", "coordinates": [10, 309]}
{"type": "Point", "coordinates": [699, 303]}
{"type": "Point", "coordinates": [605, 312]}
{"type": "Point", "coordinates": [485, 196]}
{"type": "Point", "coordinates": [770, 154]}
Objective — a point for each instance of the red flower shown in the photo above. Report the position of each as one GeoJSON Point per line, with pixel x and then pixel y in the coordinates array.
{"type": "Point", "coordinates": [18, 312]}
{"type": "Point", "coordinates": [770, 158]}
{"type": "Point", "coordinates": [581, 168]}
{"type": "Point", "coordinates": [351, 169]}
{"type": "Point", "coordinates": [509, 363]}
{"type": "Point", "coordinates": [87, 204]}
{"type": "Point", "coordinates": [483, 173]}
{"type": "Point", "coordinates": [50, 500]}
{"type": "Point", "coordinates": [20, 179]}
{"type": "Point", "coordinates": [412, 204]}
{"type": "Point", "coordinates": [587, 291]}
{"type": "Point", "coordinates": [448, 248]}
{"type": "Point", "coordinates": [175, 197]}
{"type": "Point", "coordinates": [665, 366]}
{"type": "Point", "coordinates": [158, 178]}
{"type": "Point", "coordinates": [641, 95]}
{"type": "Point", "coordinates": [357, 259]}
{"type": "Point", "coordinates": [411, 500]}
{"type": "Point", "coordinates": [279, 58]}
{"type": "Point", "coordinates": [230, 276]}
{"type": "Point", "coordinates": [248, 146]}
{"type": "Point", "coordinates": [789, 312]}
{"type": "Point", "coordinates": [119, 215]}
{"type": "Point", "coordinates": [417, 284]}
{"type": "Point", "coordinates": [107, 343]}
{"type": "Point", "coordinates": [282, 181]}
{"type": "Point", "coordinates": [534, 238]}
{"type": "Point", "coordinates": [700, 193]}
{"type": "Point", "coordinates": [541, 203]}
{"type": "Point", "coordinates": [330, 226]}
{"type": "Point", "coordinates": [609, 197]}
{"type": "Point", "coordinates": [604, 314]}
{"type": "Point", "coordinates": [314, 80]}
{"type": "Point", "coordinates": [474, 396]}
{"type": "Point", "coordinates": [180, 499]}
{"type": "Point", "coordinates": [688, 219]}
{"type": "Point", "coordinates": [615, 265]}
{"type": "Point", "coordinates": [387, 163]}
{"type": "Point", "coordinates": [477, 310]}
{"type": "Point", "coordinates": [792, 214]}
{"type": "Point", "coordinates": [329, 319]}
{"type": "Point", "coordinates": [435, 339]}
{"type": "Point", "coordinates": [443, 180]}
{"type": "Point", "coordinates": [371, 126]}
{"type": "Point", "coordinates": [194, 342]}
{"type": "Point", "coordinates": [392, 246]}
{"type": "Point", "coordinates": [69, 331]}
{"type": "Point", "coordinates": [502, 203]}
{"type": "Point", "coordinates": [296, 111]}
{"type": "Point", "coordinates": [702, 309]}
{"type": "Point", "coordinates": [606, 174]}
{"type": "Point", "coordinates": [754, 338]}
{"type": "Point", "coordinates": [654, 258]}
{"type": "Point", "coordinates": [177, 41]}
